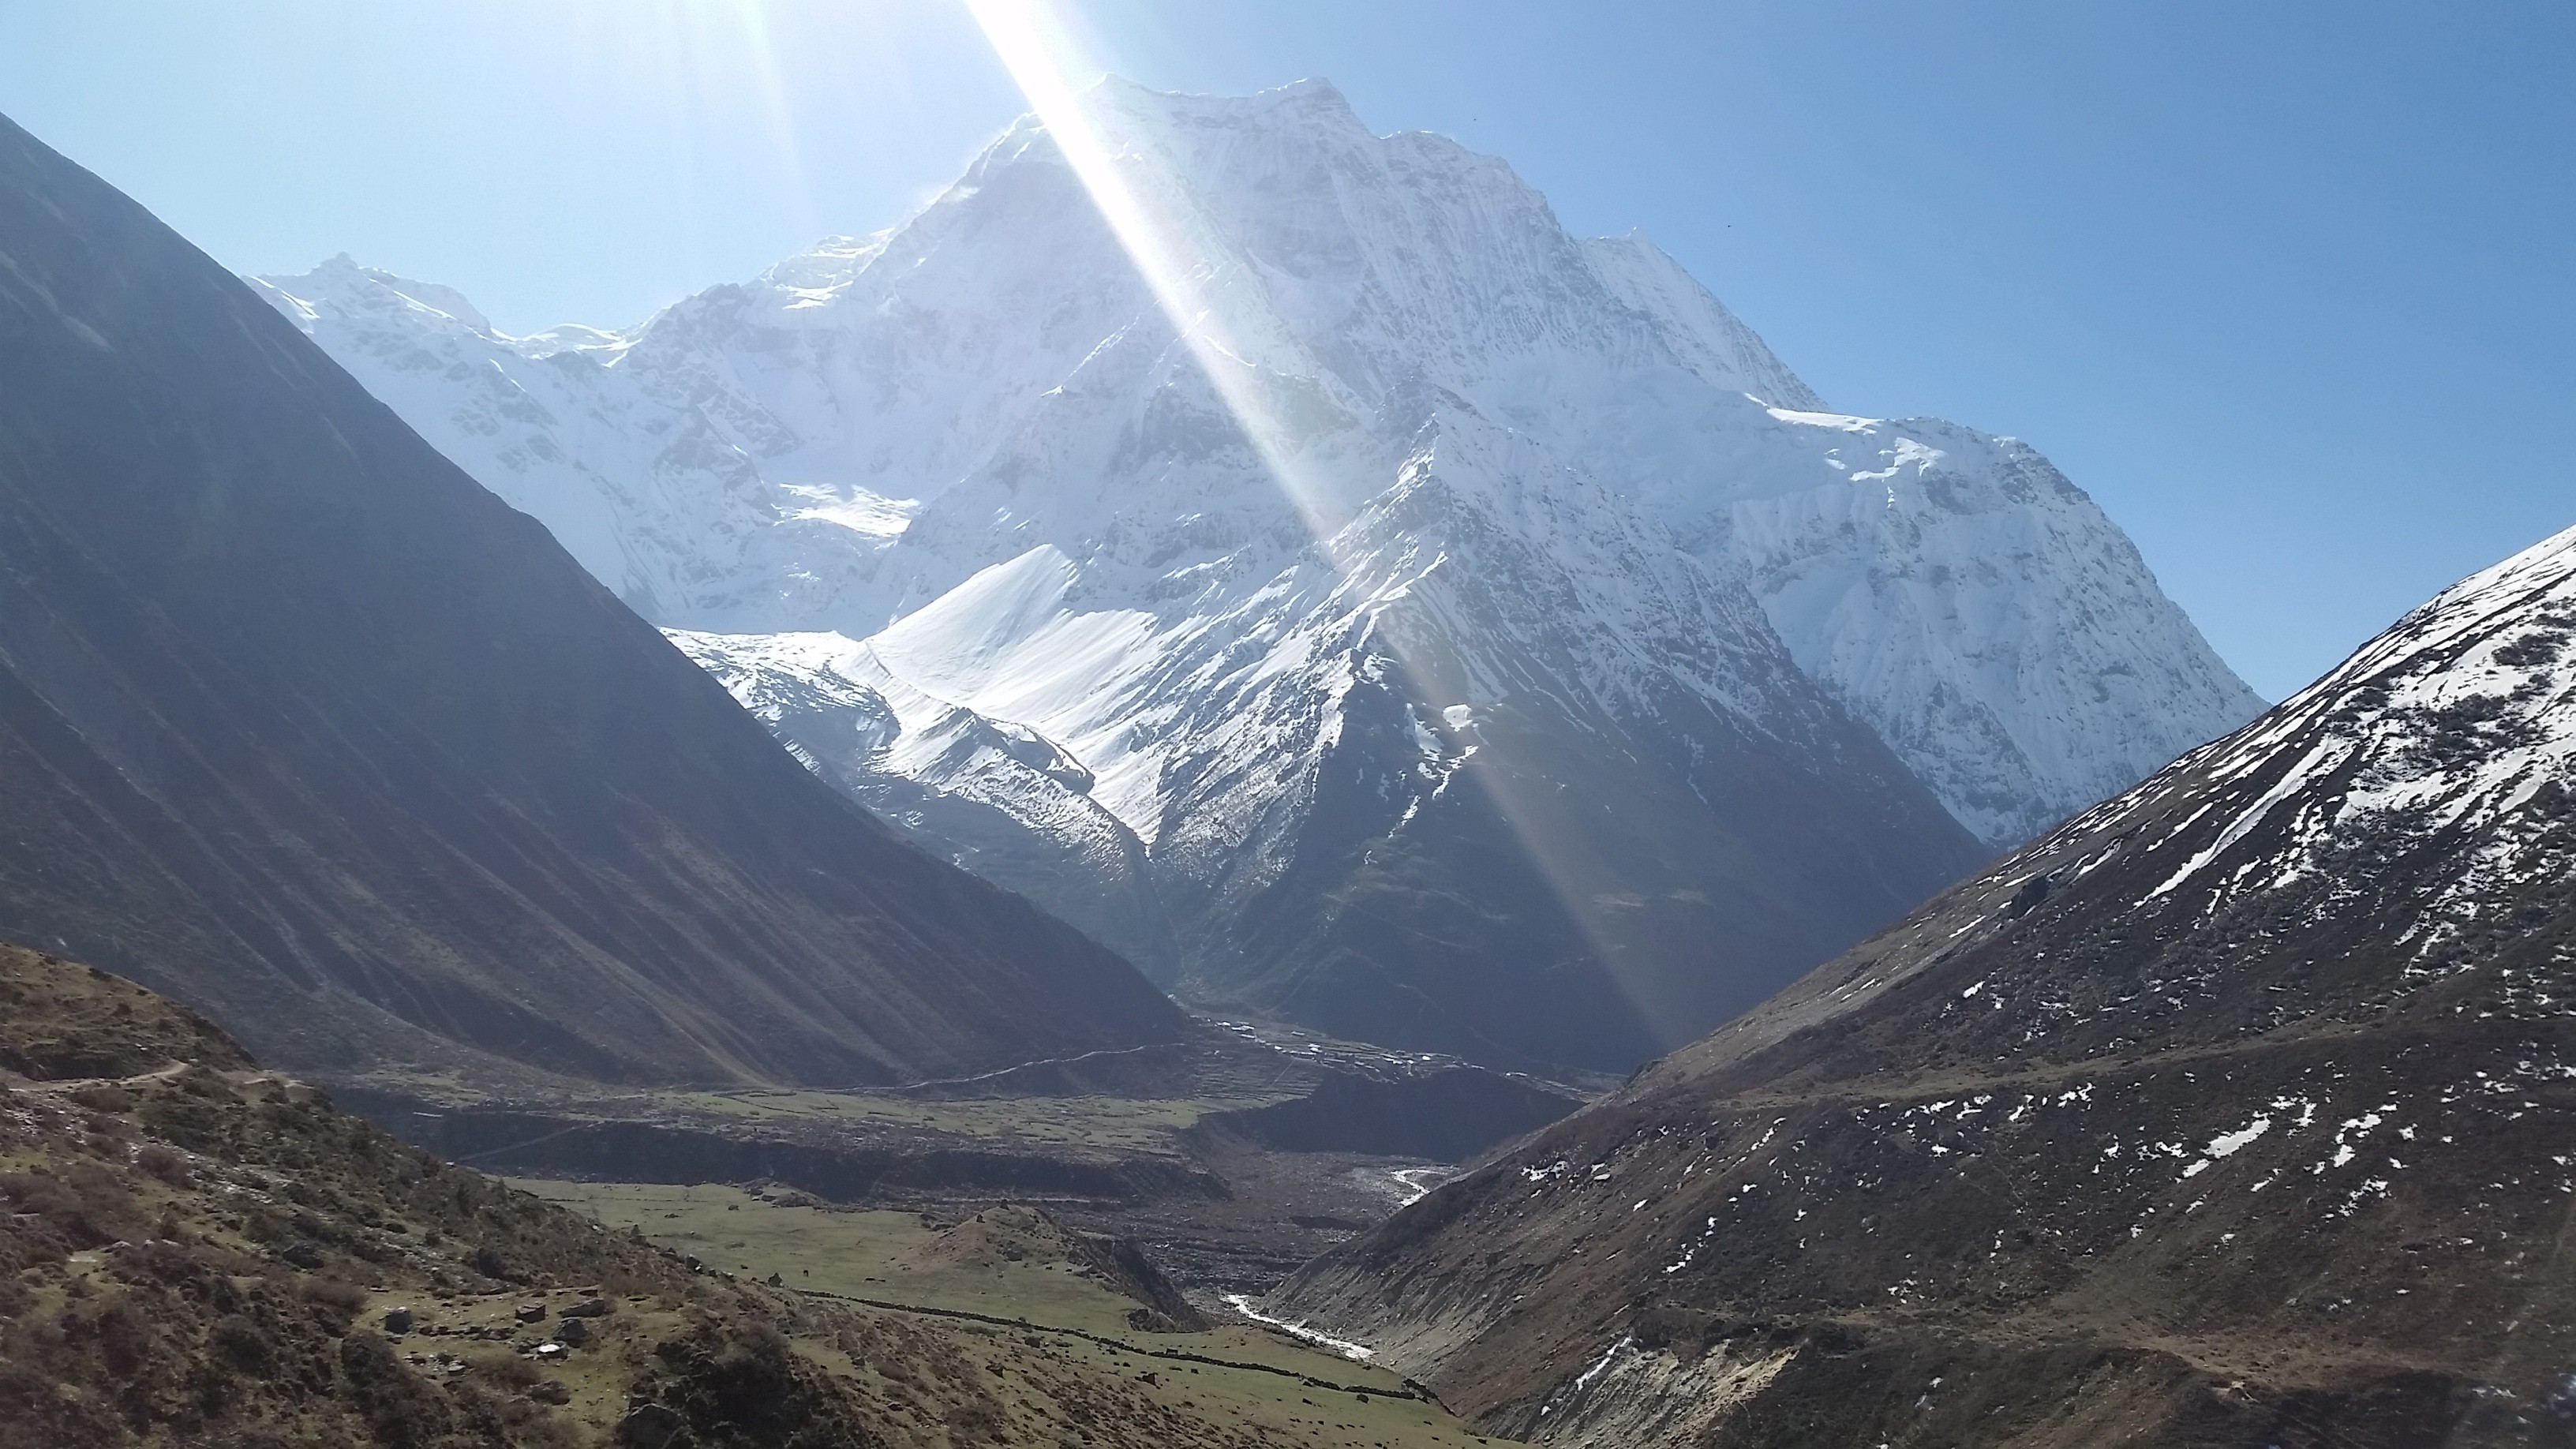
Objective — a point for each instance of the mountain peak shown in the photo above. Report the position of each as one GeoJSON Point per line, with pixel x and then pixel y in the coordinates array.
{"type": "Point", "coordinates": [347, 282]}
{"type": "Point", "coordinates": [1640, 522]}
{"type": "Point", "coordinates": [1311, 97]}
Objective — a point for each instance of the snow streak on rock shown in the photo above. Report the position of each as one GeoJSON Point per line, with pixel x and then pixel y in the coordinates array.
{"type": "Point", "coordinates": [2275, 1047]}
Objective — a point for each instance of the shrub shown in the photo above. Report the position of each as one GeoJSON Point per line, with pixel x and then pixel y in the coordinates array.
{"type": "Point", "coordinates": [504, 1368]}
{"type": "Point", "coordinates": [105, 1099]}
{"type": "Point", "coordinates": [401, 1410]}
{"type": "Point", "coordinates": [89, 1209]}
{"type": "Point", "coordinates": [106, 1202]}
{"type": "Point", "coordinates": [35, 1192]}
{"type": "Point", "coordinates": [239, 1341]}
{"type": "Point", "coordinates": [621, 1283]}
{"type": "Point", "coordinates": [163, 1163]}
{"type": "Point", "coordinates": [125, 1338]}
{"type": "Point", "coordinates": [338, 1302]}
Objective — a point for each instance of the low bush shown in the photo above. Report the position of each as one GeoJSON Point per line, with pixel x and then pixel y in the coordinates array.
{"type": "Point", "coordinates": [163, 1163]}
{"type": "Point", "coordinates": [241, 1344]}
{"type": "Point", "coordinates": [501, 1367]}
{"type": "Point", "coordinates": [104, 1099]}
{"type": "Point", "coordinates": [339, 1302]}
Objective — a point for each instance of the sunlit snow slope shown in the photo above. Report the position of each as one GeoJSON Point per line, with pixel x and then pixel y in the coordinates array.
{"type": "Point", "coordinates": [1594, 635]}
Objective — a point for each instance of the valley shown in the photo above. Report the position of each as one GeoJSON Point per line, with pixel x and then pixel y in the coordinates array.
{"type": "Point", "coordinates": [1236, 1158]}
{"type": "Point", "coordinates": [1225, 790]}
{"type": "Point", "coordinates": [197, 1247]}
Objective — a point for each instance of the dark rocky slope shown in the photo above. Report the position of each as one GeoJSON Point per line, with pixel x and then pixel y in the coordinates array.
{"type": "Point", "coordinates": [2238, 1110]}
{"type": "Point", "coordinates": [301, 725]}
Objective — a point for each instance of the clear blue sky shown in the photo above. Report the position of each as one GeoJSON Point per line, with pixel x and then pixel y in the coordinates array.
{"type": "Point", "coordinates": [2288, 287]}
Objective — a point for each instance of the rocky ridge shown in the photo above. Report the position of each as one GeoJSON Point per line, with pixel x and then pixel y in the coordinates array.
{"type": "Point", "coordinates": [2238, 1109]}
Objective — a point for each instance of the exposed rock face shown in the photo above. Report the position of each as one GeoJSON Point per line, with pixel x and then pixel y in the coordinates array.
{"type": "Point", "coordinates": [2239, 1109]}
{"type": "Point", "coordinates": [300, 724]}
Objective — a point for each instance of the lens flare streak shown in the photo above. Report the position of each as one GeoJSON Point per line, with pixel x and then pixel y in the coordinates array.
{"type": "Point", "coordinates": [1231, 332]}
{"type": "Point", "coordinates": [1256, 366]}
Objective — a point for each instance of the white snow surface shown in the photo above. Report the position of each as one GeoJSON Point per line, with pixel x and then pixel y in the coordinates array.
{"type": "Point", "coordinates": [964, 464]}
{"type": "Point", "coordinates": [2455, 719]}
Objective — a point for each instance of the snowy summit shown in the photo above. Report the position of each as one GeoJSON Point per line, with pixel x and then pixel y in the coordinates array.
{"type": "Point", "coordinates": [1469, 635]}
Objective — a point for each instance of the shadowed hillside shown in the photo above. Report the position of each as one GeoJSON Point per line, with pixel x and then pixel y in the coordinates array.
{"type": "Point", "coordinates": [301, 725]}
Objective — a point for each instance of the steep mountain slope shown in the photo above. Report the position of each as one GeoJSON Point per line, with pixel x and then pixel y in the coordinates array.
{"type": "Point", "coordinates": [2240, 1109]}
{"type": "Point", "coordinates": [299, 723]}
{"type": "Point", "coordinates": [1458, 487]}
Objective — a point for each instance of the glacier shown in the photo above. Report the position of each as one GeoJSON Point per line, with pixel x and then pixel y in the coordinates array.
{"type": "Point", "coordinates": [1591, 677]}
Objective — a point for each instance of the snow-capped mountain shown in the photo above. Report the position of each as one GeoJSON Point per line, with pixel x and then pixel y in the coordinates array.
{"type": "Point", "coordinates": [1440, 529]}
{"type": "Point", "coordinates": [2274, 1049]}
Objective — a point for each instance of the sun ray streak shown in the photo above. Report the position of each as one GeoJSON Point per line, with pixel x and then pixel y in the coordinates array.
{"type": "Point", "coordinates": [1258, 368]}
{"type": "Point", "coordinates": [1238, 343]}
{"type": "Point", "coordinates": [752, 16]}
